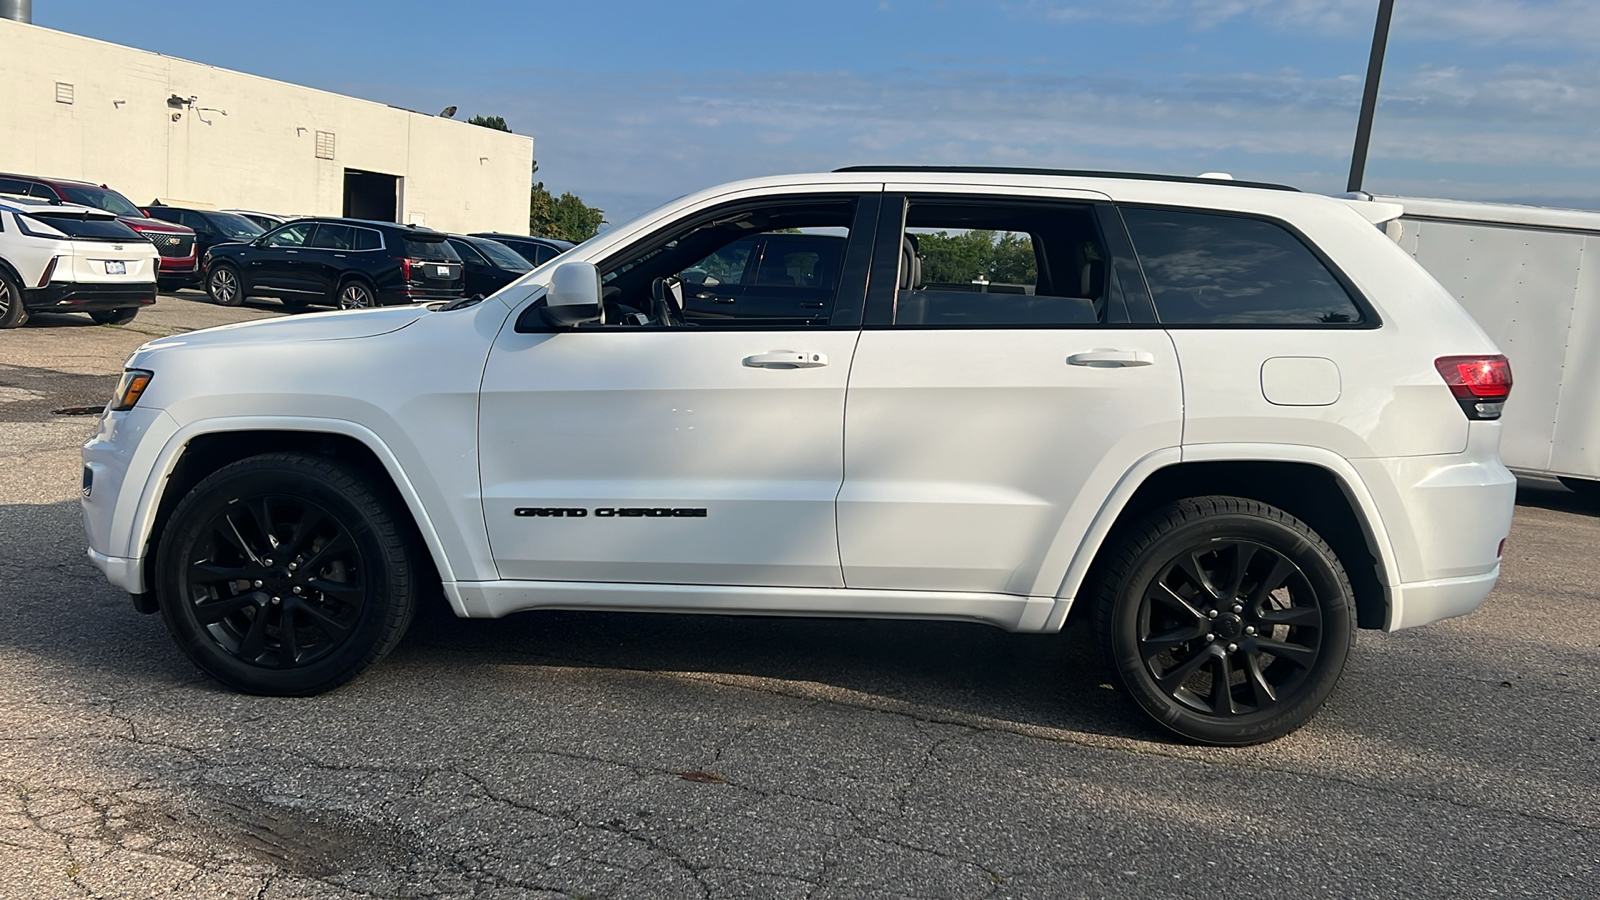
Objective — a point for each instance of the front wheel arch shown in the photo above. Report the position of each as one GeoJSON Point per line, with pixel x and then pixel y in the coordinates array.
{"type": "Point", "coordinates": [201, 454]}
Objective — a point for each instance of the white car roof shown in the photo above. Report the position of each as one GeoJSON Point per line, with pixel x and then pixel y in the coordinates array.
{"type": "Point", "coordinates": [18, 204]}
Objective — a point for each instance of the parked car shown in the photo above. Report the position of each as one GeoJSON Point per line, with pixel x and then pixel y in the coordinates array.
{"type": "Point", "coordinates": [211, 227]}
{"type": "Point", "coordinates": [490, 265]}
{"type": "Point", "coordinates": [536, 250]}
{"type": "Point", "coordinates": [1526, 274]}
{"type": "Point", "coordinates": [348, 263]}
{"type": "Point", "coordinates": [1230, 424]}
{"type": "Point", "coordinates": [267, 221]}
{"type": "Point", "coordinates": [60, 257]}
{"type": "Point", "coordinates": [176, 244]}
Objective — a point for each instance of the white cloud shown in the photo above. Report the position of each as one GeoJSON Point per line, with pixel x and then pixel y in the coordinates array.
{"type": "Point", "coordinates": [1527, 22]}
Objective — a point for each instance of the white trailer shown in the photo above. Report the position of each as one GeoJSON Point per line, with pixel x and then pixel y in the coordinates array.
{"type": "Point", "coordinates": [1531, 277]}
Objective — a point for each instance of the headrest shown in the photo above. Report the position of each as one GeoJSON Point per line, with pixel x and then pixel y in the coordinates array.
{"type": "Point", "coordinates": [910, 264]}
{"type": "Point", "coordinates": [1093, 282]}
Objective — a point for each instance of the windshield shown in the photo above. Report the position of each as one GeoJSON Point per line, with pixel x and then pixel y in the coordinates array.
{"type": "Point", "coordinates": [103, 198]}
{"type": "Point", "coordinates": [237, 227]}
{"type": "Point", "coordinates": [501, 255]}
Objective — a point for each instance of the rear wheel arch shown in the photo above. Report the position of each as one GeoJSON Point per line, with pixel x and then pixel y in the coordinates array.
{"type": "Point", "coordinates": [1315, 494]}
{"type": "Point", "coordinates": [205, 453]}
{"type": "Point", "coordinates": [350, 278]}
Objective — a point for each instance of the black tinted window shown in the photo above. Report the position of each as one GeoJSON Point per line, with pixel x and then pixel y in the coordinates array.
{"type": "Point", "coordinates": [333, 237]}
{"type": "Point", "coordinates": [92, 229]}
{"type": "Point", "coordinates": [289, 235]}
{"type": "Point", "coordinates": [467, 254]}
{"type": "Point", "coordinates": [164, 213]}
{"type": "Point", "coordinates": [431, 250]}
{"type": "Point", "coordinates": [13, 186]}
{"type": "Point", "coordinates": [1210, 269]}
{"type": "Point", "coordinates": [543, 254]}
{"type": "Point", "coordinates": [367, 239]}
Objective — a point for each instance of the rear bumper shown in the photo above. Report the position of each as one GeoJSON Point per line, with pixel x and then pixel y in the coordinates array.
{"type": "Point", "coordinates": [1423, 602]}
{"type": "Point", "coordinates": [84, 296]}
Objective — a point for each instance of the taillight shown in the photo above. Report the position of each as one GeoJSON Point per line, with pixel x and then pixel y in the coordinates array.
{"type": "Point", "coordinates": [1480, 384]}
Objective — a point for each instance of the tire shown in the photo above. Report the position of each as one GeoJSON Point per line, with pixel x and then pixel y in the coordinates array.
{"type": "Point", "coordinates": [114, 316]}
{"type": "Point", "coordinates": [13, 307]}
{"type": "Point", "coordinates": [344, 576]}
{"type": "Point", "coordinates": [1176, 578]}
{"type": "Point", "coordinates": [1586, 489]}
{"type": "Point", "coordinates": [224, 286]}
{"type": "Point", "coordinates": [356, 295]}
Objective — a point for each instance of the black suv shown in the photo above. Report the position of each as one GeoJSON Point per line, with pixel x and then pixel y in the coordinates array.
{"type": "Point", "coordinates": [536, 250]}
{"type": "Point", "coordinates": [210, 227]}
{"type": "Point", "coordinates": [348, 263]}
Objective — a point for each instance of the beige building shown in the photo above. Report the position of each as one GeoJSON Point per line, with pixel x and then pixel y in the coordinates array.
{"type": "Point", "coordinates": [152, 126]}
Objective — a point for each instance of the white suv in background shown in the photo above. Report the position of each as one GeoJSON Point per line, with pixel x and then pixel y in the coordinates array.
{"type": "Point", "coordinates": [58, 257]}
{"type": "Point", "coordinates": [1223, 423]}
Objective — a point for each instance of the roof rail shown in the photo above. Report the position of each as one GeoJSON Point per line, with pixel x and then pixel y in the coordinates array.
{"type": "Point", "coordinates": [1075, 173]}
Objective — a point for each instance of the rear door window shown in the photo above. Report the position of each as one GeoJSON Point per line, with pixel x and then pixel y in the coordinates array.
{"type": "Point", "coordinates": [1217, 269]}
{"type": "Point", "coordinates": [333, 237]}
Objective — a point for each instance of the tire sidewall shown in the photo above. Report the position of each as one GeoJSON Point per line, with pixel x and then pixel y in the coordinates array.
{"type": "Point", "coordinates": [16, 314]}
{"type": "Point", "coordinates": [1321, 569]}
{"type": "Point", "coordinates": [372, 296]}
{"type": "Point", "coordinates": [187, 527]}
{"type": "Point", "coordinates": [238, 286]}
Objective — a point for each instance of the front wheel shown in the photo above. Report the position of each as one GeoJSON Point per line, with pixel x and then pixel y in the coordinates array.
{"type": "Point", "coordinates": [1227, 620]}
{"type": "Point", "coordinates": [285, 574]}
{"type": "Point", "coordinates": [223, 285]}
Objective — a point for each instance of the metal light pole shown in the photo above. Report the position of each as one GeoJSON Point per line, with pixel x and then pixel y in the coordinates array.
{"type": "Point", "coordinates": [1369, 96]}
{"type": "Point", "coordinates": [17, 10]}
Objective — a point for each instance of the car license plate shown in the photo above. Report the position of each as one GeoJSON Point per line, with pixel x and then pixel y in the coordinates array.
{"type": "Point", "coordinates": [116, 267]}
{"type": "Point", "coordinates": [442, 271]}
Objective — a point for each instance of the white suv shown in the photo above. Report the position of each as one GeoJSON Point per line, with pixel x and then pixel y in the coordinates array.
{"type": "Point", "coordinates": [57, 257]}
{"type": "Point", "coordinates": [1225, 423]}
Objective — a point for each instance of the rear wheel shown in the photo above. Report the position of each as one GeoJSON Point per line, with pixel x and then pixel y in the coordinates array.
{"type": "Point", "coordinates": [13, 312]}
{"type": "Point", "coordinates": [1227, 620]}
{"type": "Point", "coordinates": [222, 283]}
{"type": "Point", "coordinates": [356, 295]}
{"type": "Point", "coordinates": [285, 574]}
{"type": "Point", "coordinates": [114, 316]}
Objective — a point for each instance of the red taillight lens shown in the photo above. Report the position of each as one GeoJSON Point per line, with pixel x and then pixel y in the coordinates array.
{"type": "Point", "coordinates": [405, 269]}
{"type": "Point", "coordinates": [1480, 384]}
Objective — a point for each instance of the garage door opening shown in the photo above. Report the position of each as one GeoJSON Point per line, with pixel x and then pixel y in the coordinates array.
{"type": "Point", "coordinates": [371, 195]}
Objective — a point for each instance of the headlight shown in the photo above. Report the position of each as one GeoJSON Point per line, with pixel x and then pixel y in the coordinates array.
{"type": "Point", "coordinates": [130, 389]}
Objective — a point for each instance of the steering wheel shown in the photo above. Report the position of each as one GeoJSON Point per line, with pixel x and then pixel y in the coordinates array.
{"type": "Point", "coordinates": [666, 295]}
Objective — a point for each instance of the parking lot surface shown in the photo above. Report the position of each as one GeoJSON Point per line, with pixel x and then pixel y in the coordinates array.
{"type": "Point", "coordinates": [596, 755]}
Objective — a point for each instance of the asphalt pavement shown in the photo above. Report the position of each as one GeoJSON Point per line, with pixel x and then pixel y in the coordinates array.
{"type": "Point", "coordinates": [605, 755]}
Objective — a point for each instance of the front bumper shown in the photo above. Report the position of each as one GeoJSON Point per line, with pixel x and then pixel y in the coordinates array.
{"type": "Point", "coordinates": [83, 296]}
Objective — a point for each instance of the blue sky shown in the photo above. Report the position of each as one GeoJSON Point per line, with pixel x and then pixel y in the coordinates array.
{"type": "Point", "coordinates": [631, 104]}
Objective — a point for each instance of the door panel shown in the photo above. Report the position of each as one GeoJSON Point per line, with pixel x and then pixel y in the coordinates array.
{"type": "Point", "coordinates": [966, 449]}
{"type": "Point", "coordinates": [608, 420]}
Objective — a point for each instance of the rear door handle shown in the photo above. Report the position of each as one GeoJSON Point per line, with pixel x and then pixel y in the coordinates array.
{"type": "Point", "coordinates": [1112, 359]}
{"type": "Point", "coordinates": [786, 359]}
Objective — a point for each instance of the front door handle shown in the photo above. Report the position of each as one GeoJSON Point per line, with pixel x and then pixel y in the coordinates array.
{"type": "Point", "coordinates": [1112, 359]}
{"type": "Point", "coordinates": [786, 359]}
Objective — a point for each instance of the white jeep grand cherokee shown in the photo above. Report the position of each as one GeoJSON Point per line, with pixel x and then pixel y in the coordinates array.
{"type": "Point", "coordinates": [1225, 423]}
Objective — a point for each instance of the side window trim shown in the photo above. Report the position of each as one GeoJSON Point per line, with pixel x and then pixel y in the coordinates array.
{"type": "Point", "coordinates": [1369, 315]}
{"type": "Point", "coordinates": [1125, 275]}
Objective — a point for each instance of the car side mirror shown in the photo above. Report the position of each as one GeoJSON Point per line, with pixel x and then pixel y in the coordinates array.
{"type": "Point", "coordinates": [574, 295]}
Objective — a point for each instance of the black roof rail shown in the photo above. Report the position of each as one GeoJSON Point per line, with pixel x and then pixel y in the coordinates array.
{"type": "Point", "coordinates": [1075, 173]}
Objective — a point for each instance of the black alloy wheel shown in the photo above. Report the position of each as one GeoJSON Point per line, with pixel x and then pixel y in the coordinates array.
{"type": "Point", "coordinates": [222, 283]}
{"type": "Point", "coordinates": [1226, 619]}
{"type": "Point", "coordinates": [284, 574]}
{"type": "Point", "coordinates": [13, 311]}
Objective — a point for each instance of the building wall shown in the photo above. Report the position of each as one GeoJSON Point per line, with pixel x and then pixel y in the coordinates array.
{"type": "Point", "coordinates": [119, 130]}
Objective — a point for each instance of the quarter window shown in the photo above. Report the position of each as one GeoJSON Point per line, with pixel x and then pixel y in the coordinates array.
{"type": "Point", "coordinates": [367, 239]}
{"type": "Point", "coordinates": [1214, 269]}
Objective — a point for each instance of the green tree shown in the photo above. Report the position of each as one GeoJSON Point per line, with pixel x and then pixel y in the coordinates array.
{"type": "Point", "coordinates": [495, 122]}
{"type": "Point", "coordinates": [565, 217]}
{"type": "Point", "coordinates": [977, 255]}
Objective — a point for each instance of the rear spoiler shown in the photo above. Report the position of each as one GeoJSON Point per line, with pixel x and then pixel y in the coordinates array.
{"type": "Point", "coordinates": [1383, 213]}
